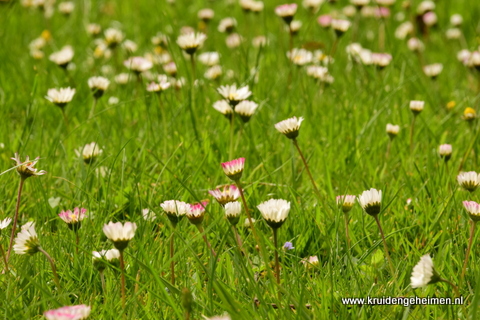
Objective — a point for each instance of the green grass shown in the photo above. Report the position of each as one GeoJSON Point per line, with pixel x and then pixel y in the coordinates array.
{"type": "Point", "coordinates": [343, 137]}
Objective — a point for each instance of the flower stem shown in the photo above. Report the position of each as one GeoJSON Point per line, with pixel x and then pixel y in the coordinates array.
{"type": "Point", "coordinates": [202, 232]}
{"type": "Point", "coordinates": [4, 257]}
{"type": "Point", "coordinates": [77, 241]}
{"type": "Point", "coordinates": [392, 269]}
{"type": "Point", "coordinates": [389, 145]}
{"type": "Point", "coordinates": [192, 98]}
{"type": "Point", "coordinates": [122, 270]}
{"type": "Point", "coordinates": [104, 287]}
{"type": "Point", "coordinates": [52, 264]}
{"type": "Point", "coordinates": [15, 219]}
{"type": "Point", "coordinates": [232, 130]}
{"type": "Point", "coordinates": [346, 231]}
{"type": "Point", "coordinates": [454, 287]}
{"type": "Point", "coordinates": [65, 119]}
{"type": "Point", "coordinates": [92, 111]}
{"type": "Point", "coordinates": [172, 253]}
{"type": "Point", "coordinates": [295, 143]}
{"type": "Point", "coordinates": [277, 264]}
{"type": "Point", "coordinates": [467, 255]}
{"type": "Point", "coordinates": [239, 186]}
{"type": "Point", "coordinates": [237, 237]}
{"type": "Point", "coordinates": [411, 132]}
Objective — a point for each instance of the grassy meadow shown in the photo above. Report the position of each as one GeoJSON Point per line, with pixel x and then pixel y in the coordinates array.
{"type": "Point", "coordinates": [159, 147]}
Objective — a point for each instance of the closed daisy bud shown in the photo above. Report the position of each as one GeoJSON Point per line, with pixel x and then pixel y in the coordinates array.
{"type": "Point", "coordinates": [158, 87]}
{"type": "Point", "coordinates": [234, 40]}
{"type": "Point", "coordinates": [120, 234]}
{"type": "Point", "coordinates": [213, 73]}
{"type": "Point", "coordinates": [175, 210]}
{"type": "Point", "coordinates": [63, 57]}
{"type": "Point", "coordinates": [234, 95]}
{"type": "Point", "coordinates": [473, 210]}
{"type": "Point", "coordinates": [73, 219]}
{"type": "Point", "coordinates": [416, 106]}
{"type": "Point", "coordinates": [206, 14]}
{"type": "Point", "coordinates": [94, 29]}
{"type": "Point", "coordinates": [190, 42]}
{"type": "Point", "coordinates": [79, 312]}
{"type": "Point", "coordinates": [415, 45]}
{"type": "Point", "coordinates": [424, 273]}
{"type": "Point", "coordinates": [98, 85]}
{"type": "Point", "coordinates": [113, 37]}
{"type": "Point", "coordinates": [275, 212]}
{"type": "Point", "coordinates": [66, 7]}
{"type": "Point", "coordinates": [27, 169]}
{"type": "Point", "coordinates": [392, 130]}
{"type": "Point", "coordinates": [433, 70]}
{"type": "Point", "coordinates": [246, 109]}
{"type": "Point", "coordinates": [290, 127]}
{"type": "Point", "coordinates": [469, 114]}
{"type": "Point", "coordinates": [286, 12]}
{"type": "Point", "coordinates": [325, 20]}
{"type": "Point", "coordinates": [456, 20]}
{"type": "Point", "coordinates": [312, 5]}
{"type": "Point", "coordinates": [89, 152]}
{"type": "Point", "coordinates": [469, 180]}
{"type": "Point", "coordinates": [233, 211]}
{"type": "Point", "coordinates": [27, 241]}
{"type": "Point", "coordinates": [346, 202]}
{"type": "Point", "coordinates": [60, 97]}
{"type": "Point", "coordinates": [196, 213]}
{"type": "Point", "coordinates": [340, 26]}
{"type": "Point", "coordinates": [224, 108]}
{"type": "Point", "coordinates": [138, 64]}
{"type": "Point", "coordinates": [209, 58]}
{"type": "Point", "coordinates": [311, 262]}
{"type": "Point", "coordinates": [234, 168]}
{"type": "Point", "coordinates": [100, 258]}
{"type": "Point", "coordinates": [445, 151]}
{"type": "Point", "coordinates": [381, 60]}
{"type": "Point", "coordinates": [227, 25]}
{"type": "Point", "coordinates": [229, 193]}
{"type": "Point", "coordinates": [371, 201]}
{"type": "Point", "coordinates": [247, 224]}
{"type": "Point", "coordinates": [295, 26]}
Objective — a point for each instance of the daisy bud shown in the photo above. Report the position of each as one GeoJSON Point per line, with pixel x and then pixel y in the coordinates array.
{"type": "Point", "coordinates": [246, 109]}
{"type": "Point", "coordinates": [445, 151]}
{"type": "Point", "coordinates": [286, 12]}
{"type": "Point", "coordinates": [73, 219]}
{"type": "Point", "coordinates": [78, 312]}
{"type": "Point", "coordinates": [158, 87]}
{"type": "Point", "coordinates": [98, 85]}
{"type": "Point", "coordinates": [392, 130]}
{"type": "Point", "coordinates": [60, 97]}
{"type": "Point", "coordinates": [89, 152]}
{"type": "Point", "coordinates": [230, 193]}
{"type": "Point", "coordinates": [233, 211]}
{"type": "Point", "coordinates": [371, 201]}
{"type": "Point", "coordinates": [100, 258]}
{"type": "Point", "coordinates": [325, 20]}
{"type": "Point", "coordinates": [469, 180]}
{"type": "Point", "coordinates": [424, 273]}
{"type": "Point", "coordinates": [247, 224]}
{"type": "Point", "coordinates": [27, 241]}
{"type": "Point", "coordinates": [63, 57]}
{"type": "Point", "coordinates": [340, 26]}
{"type": "Point", "coordinates": [234, 168]}
{"type": "Point", "coordinates": [27, 169]}
{"type": "Point", "coordinates": [433, 70]}
{"type": "Point", "coordinates": [473, 210]}
{"type": "Point", "coordinates": [381, 60]}
{"type": "Point", "coordinates": [290, 127]}
{"type": "Point", "coordinates": [175, 210]}
{"type": "Point", "coordinates": [138, 64]}
{"type": "Point", "coordinates": [275, 212]}
{"type": "Point", "coordinates": [346, 202]}
{"type": "Point", "coordinates": [234, 95]}
{"type": "Point", "coordinates": [227, 25]}
{"type": "Point", "coordinates": [113, 37]}
{"type": "Point", "coordinates": [224, 108]}
{"type": "Point", "coordinates": [190, 42]}
{"type": "Point", "coordinates": [416, 106]}
{"type": "Point", "coordinates": [206, 14]}
{"type": "Point", "coordinates": [311, 262]}
{"type": "Point", "coordinates": [196, 213]}
{"type": "Point", "coordinates": [120, 234]}
{"type": "Point", "coordinates": [456, 20]}
{"type": "Point", "coordinates": [94, 29]}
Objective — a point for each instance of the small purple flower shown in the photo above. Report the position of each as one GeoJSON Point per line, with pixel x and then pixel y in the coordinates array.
{"type": "Point", "coordinates": [288, 246]}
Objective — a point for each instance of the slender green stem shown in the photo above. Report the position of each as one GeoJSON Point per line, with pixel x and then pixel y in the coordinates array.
{"type": "Point", "coordinates": [172, 253]}
{"type": "Point", "coordinates": [277, 263]}
{"type": "Point", "coordinates": [454, 287]}
{"type": "Point", "coordinates": [104, 287]}
{"type": "Point", "coordinates": [232, 130]}
{"type": "Point", "coordinates": [15, 219]}
{"type": "Point", "coordinates": [65, 119]}
{"type": "Point", "coordinates": [334, 46]}
{"type": "Point", "coordinates": [4, 257]}
{"type": "Point", "coordinates": [202, 232]}
{"type": "Point", "coordinates": [52, 264]}
{"type": "Point", "coordinates": [94, 105]}
{"type": "Point", "coordinates": [192, 98]}
{"type": "Point", "coordinates": [467, 255]}
{"type": "Point", "coordinates": [164, 124]}
{"type": "Point", "coordinates": [295, 143]}
{"type": "Point", "coordinates": [122, 270]}
{"type": "Point", "coordinates": [411, 132]}
{"type": "Point", "coordinates": [346, 231]}
{"type": "Point", "coordinates": [77, 241]}
{"type": "Point", "coordinates": [245, 205]}
{"type": "Point", "coordinates": [392, 269]}
{"type": "Point", "coordinates": [389, 145]}
{"type": "Point", "coordinates": [237, 238]}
